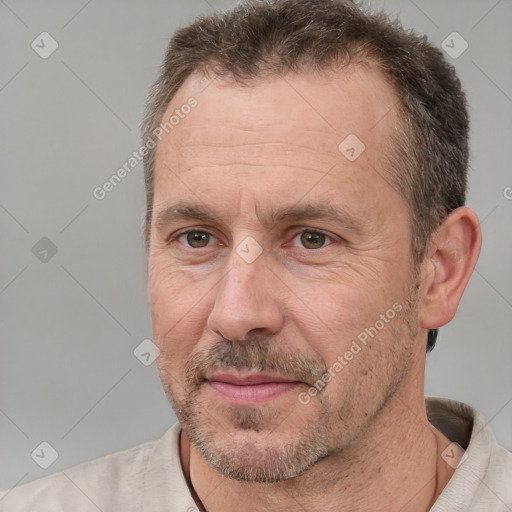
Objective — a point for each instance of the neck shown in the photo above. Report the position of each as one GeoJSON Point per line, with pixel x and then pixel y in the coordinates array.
{"type": "Point", "coordinates": [395, 464]}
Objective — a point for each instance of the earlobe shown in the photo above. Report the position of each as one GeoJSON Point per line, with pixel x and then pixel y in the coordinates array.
{"type": "Point", "coordinates": [453, 254]}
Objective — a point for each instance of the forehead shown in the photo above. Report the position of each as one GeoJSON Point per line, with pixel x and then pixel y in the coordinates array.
{"type": "Point", "coordinates": [355, 100]}
{"type": "Point", "coordinates": [277, 134]}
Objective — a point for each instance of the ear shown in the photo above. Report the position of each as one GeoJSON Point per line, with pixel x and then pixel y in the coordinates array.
{"type": "Point", "coordinates": [452, 256]}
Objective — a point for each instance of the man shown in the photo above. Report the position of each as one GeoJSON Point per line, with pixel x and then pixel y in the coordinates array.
{"type": "Point", "coordinates": [305, 170]}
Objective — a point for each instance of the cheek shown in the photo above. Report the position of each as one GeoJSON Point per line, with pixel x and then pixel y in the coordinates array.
{"type": "Point", "coordinates": [338, 315]}
{"type": "Point", "coordinates": [175, 313]}
{"type": "Point", "coordinates": [171, 292]}
{"type": "Point", "coordinates": [336, 310]}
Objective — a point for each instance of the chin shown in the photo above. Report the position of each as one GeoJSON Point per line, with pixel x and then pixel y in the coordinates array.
{"type": "Point", "coordinates": [260, 455]}
{"type": "Point", "coordinates": [244, 462]}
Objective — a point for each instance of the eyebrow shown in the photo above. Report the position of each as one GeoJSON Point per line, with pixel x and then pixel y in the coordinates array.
{"type": "Point", "coordinates": [303, 211]}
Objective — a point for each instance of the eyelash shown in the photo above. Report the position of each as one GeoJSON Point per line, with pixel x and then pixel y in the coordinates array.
{"type": "Point", "coordinates": [304, 230]}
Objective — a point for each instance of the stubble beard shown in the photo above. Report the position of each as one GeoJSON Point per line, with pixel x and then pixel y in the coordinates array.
{"type": "Point", "coordinates": [251, 444]}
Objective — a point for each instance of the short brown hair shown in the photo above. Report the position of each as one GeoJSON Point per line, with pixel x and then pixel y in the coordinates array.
{"type": "Point", "coordinates": [428, 155]}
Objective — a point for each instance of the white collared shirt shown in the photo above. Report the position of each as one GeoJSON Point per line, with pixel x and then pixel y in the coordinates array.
{"type": "Point", "coordinates": [149, 477]}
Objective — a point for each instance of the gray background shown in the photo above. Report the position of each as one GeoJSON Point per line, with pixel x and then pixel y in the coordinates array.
{"type": "Point", "coordinates": [69, 325]}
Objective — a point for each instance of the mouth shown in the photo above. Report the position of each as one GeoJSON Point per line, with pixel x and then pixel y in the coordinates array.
{"type": "Point", "coordinates": [249, 388]}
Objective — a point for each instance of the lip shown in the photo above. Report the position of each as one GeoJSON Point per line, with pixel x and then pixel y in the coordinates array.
{"type": "Point", "coordinates": [248, 379]}
{"type": "Point", "coordinates": [250, 389]}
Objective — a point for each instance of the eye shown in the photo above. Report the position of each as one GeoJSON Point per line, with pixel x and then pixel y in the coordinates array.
{"type": "Point", "coordinates": [195, 239]}
{"type": "Point", "coordinates": [311, 239]}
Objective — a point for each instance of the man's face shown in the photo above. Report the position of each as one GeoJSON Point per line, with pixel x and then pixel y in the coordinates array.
{"type": "Point", "coordinates": [303, 259]}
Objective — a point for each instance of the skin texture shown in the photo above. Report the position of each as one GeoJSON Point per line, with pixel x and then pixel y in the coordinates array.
{"type": "Point", "coordinates": [364, 441]}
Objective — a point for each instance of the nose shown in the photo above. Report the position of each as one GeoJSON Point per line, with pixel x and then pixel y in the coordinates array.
{"type": "Point", "coordinates": [246, 301]}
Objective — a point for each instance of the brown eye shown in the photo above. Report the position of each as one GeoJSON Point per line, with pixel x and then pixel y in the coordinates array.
{"type": "Point", "coordinates": [312, 239]}
{"type": "Point", "coordinates": [197, 239]}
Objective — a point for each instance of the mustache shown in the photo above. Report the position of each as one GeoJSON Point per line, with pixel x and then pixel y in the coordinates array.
{"type": "Point", "coordinates": [259, 354]}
